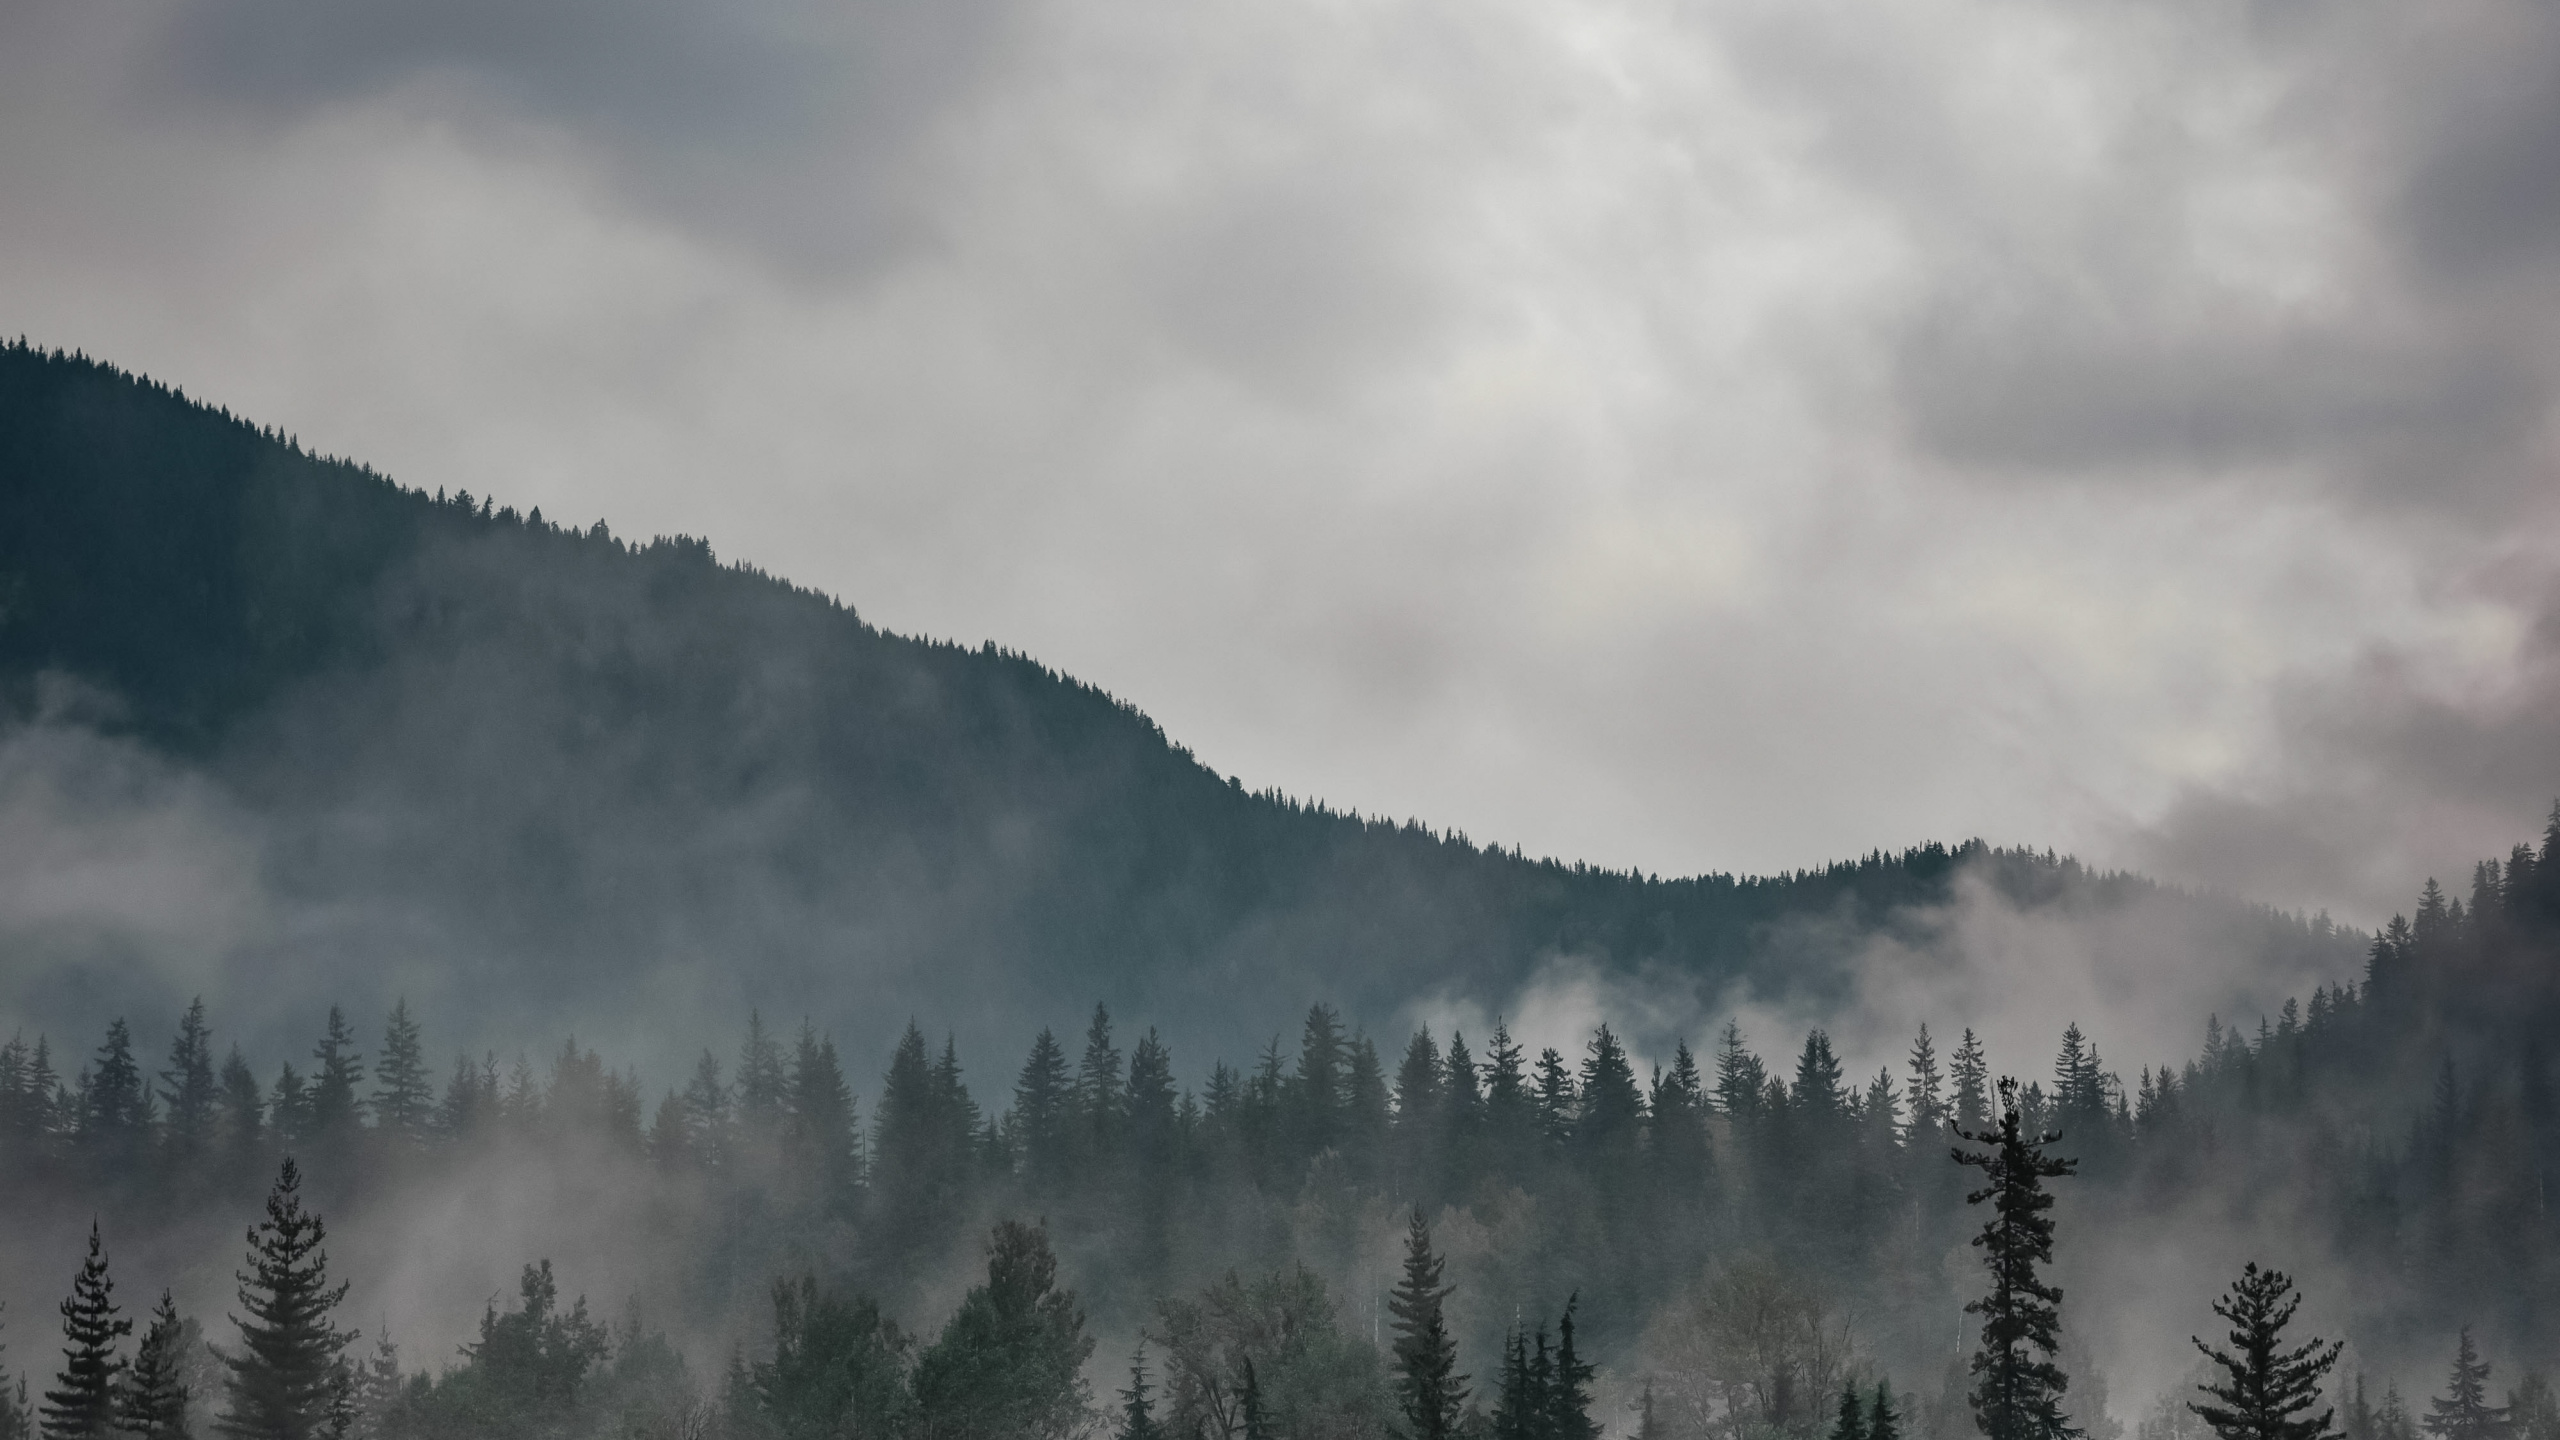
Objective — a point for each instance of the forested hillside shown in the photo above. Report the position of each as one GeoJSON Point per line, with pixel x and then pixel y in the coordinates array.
{"type": "Point", "coordinates": [1736, 1235]}
{"type": "Point", "coordinates": [537, 778]}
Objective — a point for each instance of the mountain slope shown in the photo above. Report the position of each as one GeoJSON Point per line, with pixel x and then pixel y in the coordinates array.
{"type": "Point", "coordinates": [509, 769]}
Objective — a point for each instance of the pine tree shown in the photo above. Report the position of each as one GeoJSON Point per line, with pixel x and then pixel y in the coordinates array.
{"type": "Point", "coordinates": [2463, 1412]}
{"type": "Point", "coordinates": [1569, 1385]}
{"type": "Point", "coordinates": [2017, 1388]}
{"type": "Point", "coordinates": [1097, 1099]}
{"type": "Point", "coordinates": [1520, 1404]}
{"type": "Point", "coordinates": [288, 1379]}
{"type": "Point", "coordinates": [1928, 1112]}
{"type": "Point", "coordinates": [1647, 1426]}
{"type": "Point", "coordinates": [154, 1403]}
{"type": "Point", "coordinates": [819, 1133]}
{"type": "Point", "coordinates": [2265, 1389]}
{"type": "Point", "coordinates": [1741, 1080]}
{"type": "Point", "coordinates": [762, 1088]}
{"type": "Point", "coordinates": [1043, 1096]}
{"type": "Point", "coordinates": [336, 1108]}
{"type": "Point", "coordinates": [82, 1403]}
{"type": "Point", "coordinates": [188, 1092]}
{"type": "Point", "coordinates": [706, 1114]}
{"type": "Point", "coordinates": [241, 1106]}
{"type": "Point", "coordinates": [1883, 1423]}
{"type": "Point", "coordinates": [1554, 1099]}
{"type": "Point", "coordinates": [1971, 1078]}
{"type": "Point", "coordinates": [117, 1112]}
{"type": "Point", "coordinates": [1429, 1389]}
{"type": "Point", "coordinates": [1137, 1409]}
{"type": "Point", "coordinates": [403, 1092]}
{"type": "Point", "coordinates": [1851, 1423]}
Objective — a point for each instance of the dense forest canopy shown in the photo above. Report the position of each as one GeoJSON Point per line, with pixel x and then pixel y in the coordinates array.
{"type": "Point", "coordinates": [536, 778]}
{"type": "Point", "coordinates": [1737, 1235]}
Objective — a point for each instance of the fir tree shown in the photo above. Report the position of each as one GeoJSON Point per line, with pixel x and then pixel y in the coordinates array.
{"type": "Point", "coordinates": [1137, 1409]}
{"type": "Point", "coordinates": [1569, 1385]}
{"type": "Point", "coordinates": [288, 1380]}
{"type": "Point", "coordinates": [187, 1089]}
{"type": "Point", "coordinates": [338, 1068]}
{"type": "Point", "coordinates": [403, 1091]}
{"type": "Point", "coordinates": [2265, 1389]}
{"type": "Point", "coordinates": [1971, 1078]}
{"type": "Point", "coordinates": [1520, 1404]}
{"type": "Point", "coordinates": [1928, 1112]}
{"type": "Point", "coordinates": [154, 1402]}
{"type": "Point", "coordinates": [1883, 1422]}
{"type": "Point", "coordinates": [1043, 1097]}
{"type": "Point", "coordinates": [1429, 1390]}
{"type": "Point", "coordinates": [82, 1403]}
{"type": "Point", "coordinates": [2463, 1412]}
{"type": "Point", "coordinates": [116, 1112]}
{"type": "Point", "coordinates": [2017, 1387]}
{"type": "Point", "coordinates": [1851, 1423]}
{"type": "Point", "coordinates": [1741, 1080]}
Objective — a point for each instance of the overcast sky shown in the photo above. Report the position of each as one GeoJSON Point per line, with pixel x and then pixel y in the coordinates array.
{"type": "Point", "coordinates": [1688, 434]}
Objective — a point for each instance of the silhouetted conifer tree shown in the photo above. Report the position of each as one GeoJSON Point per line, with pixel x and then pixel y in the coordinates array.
{"type": "Point", "coordinates": [2017, 1387]}
{"type": "Point", "coordinates": [403, 1092]}
{"type": "Point", "coordinates": [2265, 1389]}
{"type": "Point", "coordinates": [154, 1402]}
{"type": "Point", "coordinates": [1850, 1421]}
{"type": "Point", "coordinates": [2463, 1412]}
{"type": "Point", "coordinates": [1137, 1407]}
{"type": "Point", "coordinates": [81, 1405]}
{"type": "Point", "coordinates": [1429, 1390]}
{"type": "Point", "coordinates": [187, 1088]}
{"type": "Point", "coordinates": [337, 1070]}
{"type": "Point", "coordinates": [288, 1379]}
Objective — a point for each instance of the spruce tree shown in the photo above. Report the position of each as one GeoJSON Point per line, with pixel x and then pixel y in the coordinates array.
{"type": "Point", "coordinates": [1851, 1423]}
{"type": "Point", "coordinates": [2017, 1387]}
{"type": "Point", "coordinates": [1569, 1387]}
{"type": "Point", "coordinates": [1883, 1422]}
{"type": "Point", "coordinates": [1971, 1077]}
{"type": "Point", "coordinates": [1137, 1408]}
{"type": "Point", "coordinates": [1043, 1097]}
{"type": "Point", "coordinates": [117, 1109]}
{"type": "Point", "coordinates": [1520, 1403]}
{"type": "Point", "coordinates": [82, 1403]}
{"type": "Point", "coordinates": [188, 1092]}
{"type": "Point", "coordinates": [403, 1090]}
{"type": "Point", "coordinates": [154, 1403]}
{"type": "Point", "coordinates": [2266, 1390]}
{"type": "Point", "coordinates": [288, 1380]}
{"type": "Point", "coordinates": [2463, 1412]}
{"type": "Point", "coordinates": [335, 1107]}
{"type": "Point", "coordinates": [1429, 1389]}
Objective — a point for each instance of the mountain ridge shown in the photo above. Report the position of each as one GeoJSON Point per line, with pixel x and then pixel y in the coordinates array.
{"type": "Point", "coordinates": [542, 744]}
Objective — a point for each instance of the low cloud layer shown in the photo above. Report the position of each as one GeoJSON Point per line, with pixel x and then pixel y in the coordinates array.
{"type": "Point", "coordinates": [1722, 438]}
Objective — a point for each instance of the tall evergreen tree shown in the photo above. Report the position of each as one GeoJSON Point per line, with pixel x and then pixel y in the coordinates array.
{"type": "Point", "coordinates": [1429, 1390]}
{"type": "Point", "coordinates": [1850, 1423]}
{"type": "Point", "coordinates": [1741, 1078]}
{"type": "Point", "coordinates": [763, 1091]}
{"type": "Point", "coordinates": [336, 1109]}
{"type": "Point", "coordinates": [288, 1380]}
{"type": "Point", "coordinates": [187, 1088]}
{"type": "Point", "coordinates": [2463, 1412]}
{"type": "Point", "coordinates": [1043, 1103]}
{"type": "Point", "coordinates": [2266, 1390]}
{"type": "Point", "coordinates": [1009, 1364]}
{"type": "Point", "coordinates": [1883, 1422]}
{"type": "Point", "coordinates": [1098, 1102]}
{"type": "Point", "coordinates": [1569, 1385]}
{"type": "Point", "coordinates": [154, 1401]}
{"type": "Point", "coordinates": [1970, 1074]}
{"type": "Point", "coordinates": [1928, 1109]}
{"type": "Point", "coordinates": [2017, 1387]}
{"type": "Point", "coordinates": [403, 1090]}
{"type": "Point", "coordinates": [1137, 1407]}
{"type": "Point", "coordinates": [82, 1403]}
{"type": "Point", "coordinates": [116, 1109]}
{"type": "Point", "coordinates": [241, 1105]}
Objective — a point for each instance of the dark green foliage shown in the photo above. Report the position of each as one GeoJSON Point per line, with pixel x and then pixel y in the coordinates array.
{"type": "Point", "coordinates": [1851, 1422]}
{"type": "Point", "coordinates": [1883, 1422]}
{"type": "Point", "coordinates": [1007, 1366]}
{"type": "Point", "coordinates": [288, 1379]}
{"type": "Point", "coordinates": [1429, 1390]}
{"type": "Point", "coordinates": [81, 1404]}
{"type": "Point", "coordinates": [153, 1405]}
{"type": "Point", "coordinates": [2266, 1390]}
{"type": "Point", "coordinates": [2463, 1411]}
{"type": "Point", "coordinates": [336, 1074]}
{"type": "Point", "coordinates": [1568, 1386]}
{"type": "Point", "coordinates": [838, 1366]}
{"type": "Point", "coordinates": [187, 1088]}
{"type": "Point", "coordinates": [403, 1092]}
{"type": "Point", "coordinates": [115, 1104]}
{"type": "Point", "coordinates": [1137, 1404]}
{"type": "Point", "coordinates": [2017, 1387]}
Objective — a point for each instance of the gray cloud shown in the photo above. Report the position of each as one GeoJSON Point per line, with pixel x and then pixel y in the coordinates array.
{"type": "Point", "coordinates": [1663, 438]}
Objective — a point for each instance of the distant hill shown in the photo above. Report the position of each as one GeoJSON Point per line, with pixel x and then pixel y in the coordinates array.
{"type": "Point", "coordinates": [526, 774]}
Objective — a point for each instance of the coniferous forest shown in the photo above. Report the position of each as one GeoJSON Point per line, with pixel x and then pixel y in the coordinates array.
{"type": "Point", "coordinates": [1442, 1235]}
